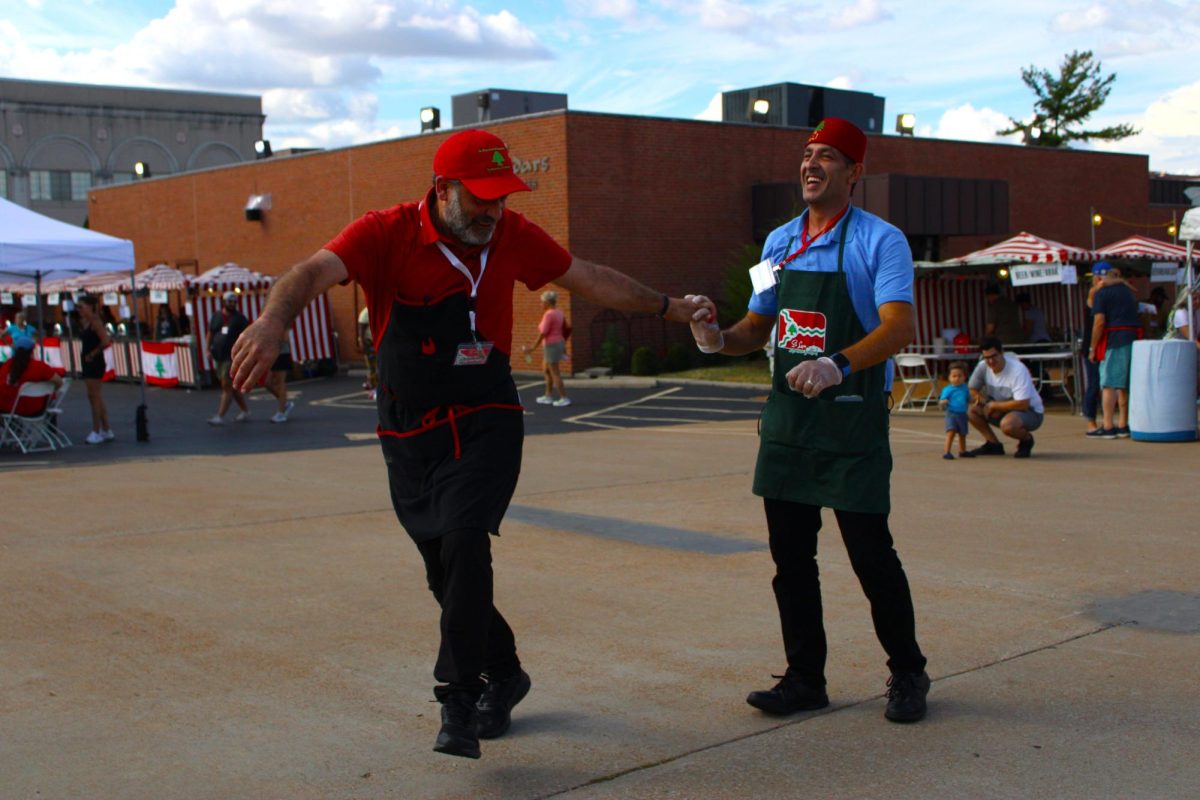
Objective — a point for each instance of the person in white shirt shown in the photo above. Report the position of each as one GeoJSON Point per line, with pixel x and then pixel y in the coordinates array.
{"type": "Point", "coordinates": [1003, 395]}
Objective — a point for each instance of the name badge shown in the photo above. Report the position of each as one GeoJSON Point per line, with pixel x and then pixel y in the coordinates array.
{"type": "Point", "coordinates": [470, 354]}
{"type": "Point", "coordinates": [225, 331]}
{"type": "Point", "coordinates": [763, 276]}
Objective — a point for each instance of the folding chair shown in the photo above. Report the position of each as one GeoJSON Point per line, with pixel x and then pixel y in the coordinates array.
{"type": "Point", "coordinates": [29, 434]}
{"type": "Point", "coordinates": [54, 412]}
{"type": "Point", "coordinates": [913, 370]}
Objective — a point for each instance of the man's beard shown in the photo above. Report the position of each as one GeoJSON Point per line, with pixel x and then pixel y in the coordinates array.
{"type": "Point", "coordinates": [460, 226]}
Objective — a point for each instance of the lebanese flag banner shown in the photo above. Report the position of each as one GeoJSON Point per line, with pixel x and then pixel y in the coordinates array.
{"type": "Point", "coordinates": [159, 363]}
{"type": "Point", "coordinates": [52, 354]}
{"type": "Point", "coordinates": [110, 364]}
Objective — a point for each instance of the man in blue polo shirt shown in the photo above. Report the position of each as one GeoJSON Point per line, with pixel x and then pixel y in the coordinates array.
{"type": "Point", "coordinates": [838, 282]}
{"type": "Point", "coordinates": [1115, 326]}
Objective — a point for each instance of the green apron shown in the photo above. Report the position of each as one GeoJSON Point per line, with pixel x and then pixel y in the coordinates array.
{"type": "Point", "coordinates": [832, 450]}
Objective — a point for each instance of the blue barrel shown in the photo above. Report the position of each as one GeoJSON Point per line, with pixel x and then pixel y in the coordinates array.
{"type": "Point", "coordinates": [1162, 391]}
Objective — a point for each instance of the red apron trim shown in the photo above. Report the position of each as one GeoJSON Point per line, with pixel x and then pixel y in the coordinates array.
{"type": "Point", "coordinates": [1102, 345]}
{"type": "Point", "coordinates": [453, 413]}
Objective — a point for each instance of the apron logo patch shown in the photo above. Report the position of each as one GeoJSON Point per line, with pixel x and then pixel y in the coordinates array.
{"type": "Point", "coordinates": [801, 332]}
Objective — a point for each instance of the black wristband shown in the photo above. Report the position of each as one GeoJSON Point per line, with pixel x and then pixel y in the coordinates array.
{"type": "Point", "coordinates": [662, 312]}
{"type": "Point", "coordinates": [842, 363]}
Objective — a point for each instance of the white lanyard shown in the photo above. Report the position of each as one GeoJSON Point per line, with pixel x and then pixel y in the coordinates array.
{"type": "Point", "coordinates": [458, 265]}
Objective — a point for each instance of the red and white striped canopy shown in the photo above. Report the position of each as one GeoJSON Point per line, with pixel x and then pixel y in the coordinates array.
{"type": "Point", "coordinates": [1138, 246]}
{"type": "Point", "coordinates": [1026, 248]}
{"type": "Point", "coordinates": [232, 276]}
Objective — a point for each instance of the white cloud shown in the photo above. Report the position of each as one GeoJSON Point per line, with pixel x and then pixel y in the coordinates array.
{"type": "Point", "coordinates": [1169, 131]}
{"type": "Point", "coordinates": [841, 82]}
{"type": "Point", "coordinates": [624, 10]}
{"type": "Point", "coordinates": [1075, 20]}
{"type": "Point", "coordinates": [1176, 113]}
{"type": "Point", "coordinates": [862, 12]}
{"type": "Point", "coordinates": [969, 124]}
{"type": "Point", "coordinates": [1129, 27]}
{"type": "Point", "coordinates": [714, 111]}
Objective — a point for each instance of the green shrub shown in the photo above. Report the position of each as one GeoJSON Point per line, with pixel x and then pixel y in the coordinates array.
{"type": "Point", "coordinates": [645, 362]}
{"type": "Point", "coordinates": [736, 287]}
{"type": "Point", "coordinates": [678, 358]}
{"type": "Point", "coordinates": [613, 350]}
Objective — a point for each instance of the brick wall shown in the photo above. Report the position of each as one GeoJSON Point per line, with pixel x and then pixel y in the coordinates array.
{"type": "Point", "coordinates": [667, 201]}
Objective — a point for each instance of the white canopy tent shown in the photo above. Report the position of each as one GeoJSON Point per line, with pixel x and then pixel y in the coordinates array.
{"type": "Point", "coordinates": [33, 246]}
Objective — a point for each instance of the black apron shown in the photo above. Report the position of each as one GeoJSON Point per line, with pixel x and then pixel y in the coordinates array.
{"type": "Point", "coordinates": [451, 435]}
{"type": "Point", "coordinates": [832, 450]}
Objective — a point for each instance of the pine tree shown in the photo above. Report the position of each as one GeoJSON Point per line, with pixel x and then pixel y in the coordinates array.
{"type": "Point", "coordinates": [1065, 102]}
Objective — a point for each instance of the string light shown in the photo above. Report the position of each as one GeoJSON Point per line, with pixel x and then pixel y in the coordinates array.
{"type": "Point", "coordinates": [1097, 219]}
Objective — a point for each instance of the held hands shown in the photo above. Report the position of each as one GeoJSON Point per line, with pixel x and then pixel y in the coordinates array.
{"type": "Point", "coordinates": [810, 378]}
{"type": "Point", "coordinates": [703, 320]}
{"type": "Point", "coordinates": [254, 352]}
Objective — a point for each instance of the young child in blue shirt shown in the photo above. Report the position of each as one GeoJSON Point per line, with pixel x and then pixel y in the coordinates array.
{"type": "Point", "coordinates": [954, 399]}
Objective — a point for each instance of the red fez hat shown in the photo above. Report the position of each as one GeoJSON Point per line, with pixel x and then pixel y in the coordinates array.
{"type": "Point", "coordinates": [842, 135]}
{"type": "Point", "coordinates": [481, 161]}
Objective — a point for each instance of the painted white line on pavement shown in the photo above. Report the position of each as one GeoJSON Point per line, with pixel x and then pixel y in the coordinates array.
{"type": "Point", "coordinates": [583, 419]}
{"type": "Point", "coordinates": [342, 401]}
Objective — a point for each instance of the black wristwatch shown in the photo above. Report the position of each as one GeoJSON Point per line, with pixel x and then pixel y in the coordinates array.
{"type": "Point", "coordinates": [842, 362]}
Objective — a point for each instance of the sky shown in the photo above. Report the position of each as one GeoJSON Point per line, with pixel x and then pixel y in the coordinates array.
{"type": "Point", "coordinates": [339, 72]}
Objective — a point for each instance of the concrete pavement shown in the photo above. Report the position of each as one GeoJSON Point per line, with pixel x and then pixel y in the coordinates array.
{"type": "Point", "coordinates": [257, 626]}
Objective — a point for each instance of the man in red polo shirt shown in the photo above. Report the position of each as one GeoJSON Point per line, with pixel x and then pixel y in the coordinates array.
{"type": "Point", "coordinates": [438, 276]}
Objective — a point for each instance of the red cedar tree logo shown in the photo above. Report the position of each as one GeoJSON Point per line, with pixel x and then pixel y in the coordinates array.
{"type": "Point", "coordinates": [801, 331]}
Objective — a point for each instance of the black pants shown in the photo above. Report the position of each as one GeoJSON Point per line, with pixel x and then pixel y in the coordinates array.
{"type": "Point", "coordinates": [793, 537]}
{"type": "Point", "coordinates": [1091, 394]}
{"type": "Point", "coordinates": [476, 641]}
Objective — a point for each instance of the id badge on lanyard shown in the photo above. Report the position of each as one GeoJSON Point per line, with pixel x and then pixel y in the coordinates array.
{"type": "Point", "coordinates": [474, 352]}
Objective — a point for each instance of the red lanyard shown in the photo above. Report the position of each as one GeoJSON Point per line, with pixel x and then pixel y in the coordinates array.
{"type": "Point", "coordinates": [806, 241]}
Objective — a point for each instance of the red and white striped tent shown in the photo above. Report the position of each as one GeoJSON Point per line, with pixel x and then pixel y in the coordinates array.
{"type": "Point", "coordinates": [159, 276]}
{"type": "Point", "coordinates": [1024, 248]}
{"type": "Point", "coordinates": [950, 294]}
{"type": "Point", "coordinates": [311, 336]}
{"type": "Point", "coordinates": [1143, 247]}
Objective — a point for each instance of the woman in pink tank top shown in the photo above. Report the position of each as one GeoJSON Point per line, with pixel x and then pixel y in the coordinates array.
{"type": "Point", "coordinates": [552, 334]}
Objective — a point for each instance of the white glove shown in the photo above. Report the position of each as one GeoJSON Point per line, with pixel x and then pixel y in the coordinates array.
{"type": "Point", "coordinates": [810, 378]}
{"type": "Point", "coordinates": [705, 330]}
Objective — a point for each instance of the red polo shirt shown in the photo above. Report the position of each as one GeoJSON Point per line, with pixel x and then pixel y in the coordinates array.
{"type": "Point", "coordinates": [394, 256]}
{"type": "Point", "coordinates": [29, 406]}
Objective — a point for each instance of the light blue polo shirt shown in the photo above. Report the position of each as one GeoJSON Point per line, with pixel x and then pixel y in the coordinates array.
{"type": "Point", "coordinates": [877, 261]}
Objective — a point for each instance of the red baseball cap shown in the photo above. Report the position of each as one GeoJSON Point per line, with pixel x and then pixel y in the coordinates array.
{"type": "Point", "coordinates": [842, 135]}
{"type": "Point", "coordinates": [481, 161]}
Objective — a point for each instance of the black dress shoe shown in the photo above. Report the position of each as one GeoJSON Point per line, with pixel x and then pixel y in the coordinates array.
{"type": "Point", "coordinates": [906, 696]}
{"type": "Point", "coordinates": [789, 696]}
{"type": "Point", "coordinates": [497, 702]}
{"type": "Point", "coordinates": [459, 720]}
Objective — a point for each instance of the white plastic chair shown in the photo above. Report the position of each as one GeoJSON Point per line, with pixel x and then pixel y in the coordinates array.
{"type": "Point", "coordinates": [29, 434]}
{"type": "Point", "coordinates": [913, 370]}
{"type": "Point", "coordinates": [54, 416]}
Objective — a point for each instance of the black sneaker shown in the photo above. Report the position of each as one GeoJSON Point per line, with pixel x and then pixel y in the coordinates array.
{"type": "Point", "coordinates": [948, 456]}
{"type": "Point", "coordinates": [986, 449]}
{"type": "Point", "coordinates": [790, 696]}
{"type": "Point", "coordinates": [1024, 447]}
{"type": "Point", "coordinates": [459, 720]}
{"type": "Point", "coordinates": [966, 453]}
{"type": "Point", "coordinates": [906, 696]}
{"type": "Point", "coordinates": [1102, 433]}
{"type": "Point", "coordinates": [496, 704]}
{"type": "Point", "coordinates": [1122, 433]}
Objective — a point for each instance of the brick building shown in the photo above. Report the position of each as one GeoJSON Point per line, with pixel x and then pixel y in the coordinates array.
{"type": "Point", "coordinates": [667, 201]}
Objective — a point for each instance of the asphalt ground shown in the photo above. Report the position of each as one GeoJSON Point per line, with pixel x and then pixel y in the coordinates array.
{"type": "Point", "coordinates": [336, 412]}
{"type": "Point", "coordinates": [253, 624]}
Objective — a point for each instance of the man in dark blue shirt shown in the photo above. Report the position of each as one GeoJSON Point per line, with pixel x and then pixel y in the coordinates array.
{"type": "Point", "coordinates": [1114, 329]}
